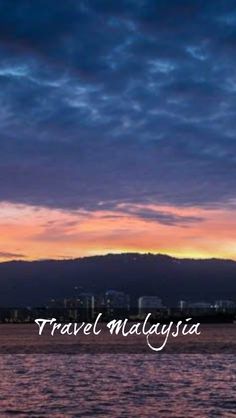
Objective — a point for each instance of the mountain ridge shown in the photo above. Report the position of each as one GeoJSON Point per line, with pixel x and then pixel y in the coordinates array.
{"type": "Point", "coordinates": [35, 282]}
{"type": "Point", "coordinates": [20, 260]}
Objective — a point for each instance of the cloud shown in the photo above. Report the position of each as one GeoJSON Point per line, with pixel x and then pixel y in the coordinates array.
{"type": "Point", "coordinates": [161, 217]}
{"type": "Point", "coordinates": [132, 102]}
{"type": "Point", "coordinates": [7, 255]}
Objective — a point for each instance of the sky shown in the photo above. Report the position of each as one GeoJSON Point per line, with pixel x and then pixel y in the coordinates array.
{"type": "Point", "coordinates": [117, 128]}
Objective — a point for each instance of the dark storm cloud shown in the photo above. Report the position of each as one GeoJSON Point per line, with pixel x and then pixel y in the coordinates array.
{"type": "Point", "coordinates": [118, 102]}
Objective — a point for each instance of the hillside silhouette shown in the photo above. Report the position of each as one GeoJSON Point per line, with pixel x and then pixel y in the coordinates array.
{"type": "Point", "coordinates": [34, 283]}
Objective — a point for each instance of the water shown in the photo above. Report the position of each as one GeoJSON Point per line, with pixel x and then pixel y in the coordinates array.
{"type": "Point", "coordinates": [121, 385]}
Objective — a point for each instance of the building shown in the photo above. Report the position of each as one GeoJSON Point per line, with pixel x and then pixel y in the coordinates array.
{"type": "Point", "coordinates": [201, 305]}
{"type": "Point", "coordinates": [182, 304]}
{"type": "Point", "coordinates": [224, 305]}
{"type": "Point", "coordinates": [81, 306]}
{"type": "Point", "coordinates": [116, 300]}
{"type": "Point", "coordinates": [147, 304]}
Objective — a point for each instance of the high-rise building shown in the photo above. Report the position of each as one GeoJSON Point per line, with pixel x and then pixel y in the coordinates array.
{"type": "Point", "coordinates": [116, 300]}
{"type": "Point", "coordinates": [182, 304]}
{"type": "Point", "coordinates": [148, 304]}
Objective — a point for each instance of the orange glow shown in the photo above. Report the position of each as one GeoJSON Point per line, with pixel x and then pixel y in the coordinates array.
{"type": "Point", "coordinates": [37, 233]}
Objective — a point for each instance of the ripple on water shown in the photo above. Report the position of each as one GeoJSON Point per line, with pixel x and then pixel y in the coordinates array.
{"type": "Point", "coordinates": [117, 385]}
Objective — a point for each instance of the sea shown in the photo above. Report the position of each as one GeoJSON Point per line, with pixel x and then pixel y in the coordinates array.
{"type": "Point", "coordinates": [117, 385]}
{"type": "Point", "coordinates": [37, 379]}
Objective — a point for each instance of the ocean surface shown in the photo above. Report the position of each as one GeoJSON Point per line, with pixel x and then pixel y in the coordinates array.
{"type": "Point", "coordinates": [118, 385]}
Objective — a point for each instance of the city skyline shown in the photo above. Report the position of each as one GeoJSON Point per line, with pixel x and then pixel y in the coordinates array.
{"type": "Point", "coordinates": [117, 124]}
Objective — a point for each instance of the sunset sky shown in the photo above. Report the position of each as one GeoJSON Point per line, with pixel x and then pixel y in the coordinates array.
{"type": "Point", "coordinates": [117, 128]}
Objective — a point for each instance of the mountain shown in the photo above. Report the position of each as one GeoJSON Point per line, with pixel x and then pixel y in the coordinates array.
{"type": "Point", "coordinates": [34, 283]}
